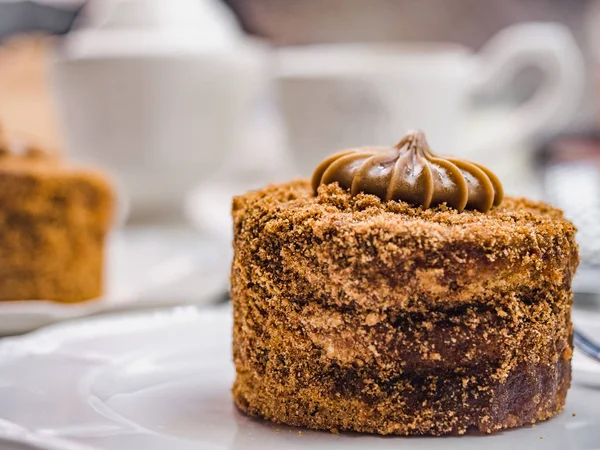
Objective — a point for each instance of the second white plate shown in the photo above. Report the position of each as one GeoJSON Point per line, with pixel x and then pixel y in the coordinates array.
{"type": "Point", "coordinates": [146, 268]}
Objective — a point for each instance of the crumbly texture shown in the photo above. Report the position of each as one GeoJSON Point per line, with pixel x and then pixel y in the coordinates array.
{"type": "Point", "coordinates": [53, 222]}
{"type": "Point", "coordinates": [355, 314]}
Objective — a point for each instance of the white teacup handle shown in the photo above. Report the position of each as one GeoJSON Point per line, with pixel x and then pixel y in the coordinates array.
{"type": "Point", "coordinates": [551, 48]}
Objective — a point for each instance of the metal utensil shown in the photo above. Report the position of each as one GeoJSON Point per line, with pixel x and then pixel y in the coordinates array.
{"type": "Point", "coordinates": [587, 346]}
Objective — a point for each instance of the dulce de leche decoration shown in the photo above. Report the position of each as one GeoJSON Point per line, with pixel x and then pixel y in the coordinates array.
{"type": "Point", "coordinates": [412, 173]}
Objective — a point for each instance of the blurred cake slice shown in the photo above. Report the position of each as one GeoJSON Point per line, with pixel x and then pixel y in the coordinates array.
{"type": "Point", "coordinates": [54, 219]}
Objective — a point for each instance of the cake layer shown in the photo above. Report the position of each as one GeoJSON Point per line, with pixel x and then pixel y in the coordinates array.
{"type": "Point", "coordinates": [427, 405]}
{"type": "Point", "coordinates": [479, 367]}
{"type": "Point", "coordinates": [391, 343]}
{"type": "Point", "coordinates": [346, 250]}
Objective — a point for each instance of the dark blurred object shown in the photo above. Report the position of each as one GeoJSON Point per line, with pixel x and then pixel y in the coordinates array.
{"type": "Point", "coordinates": [571, 175]}
{"type": "Point", "coordinates": [25, 16]}
{"type": "Point", "coordinates": [593, 35]}
{"type": "Point", "coordinates": [570, 148]}
{"type": "Point", "coordinates": [469, 22]}
{"type": "Point", "coordinates": [586, 345]}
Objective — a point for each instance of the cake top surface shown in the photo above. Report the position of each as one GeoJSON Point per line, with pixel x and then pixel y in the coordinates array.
{"type": "Point", "coordinates": [52, 170]}
{"type": "Point", "coordinates": [23, 153]}
{"type": "Point", "coordinates": [336, 207]}
{"type": "Point", "coordinates": [411, 172]}
{"type": "Point", "coordinates": [22, 158]}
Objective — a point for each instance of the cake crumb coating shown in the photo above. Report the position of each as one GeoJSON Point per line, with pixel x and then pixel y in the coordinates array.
{"type": "Point", "coordinates": [54, 219]}
{"type": "Point", "coordinates": [355, 314]}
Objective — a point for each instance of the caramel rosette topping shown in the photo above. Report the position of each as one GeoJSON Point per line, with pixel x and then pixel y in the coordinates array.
{"type": "Point", "coordinates": [412, 173]}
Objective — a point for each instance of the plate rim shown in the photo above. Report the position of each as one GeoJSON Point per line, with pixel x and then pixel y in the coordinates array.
{"type": "Point", "coordinates": [24, 345]}
{"type": "Point", "coordinates": [21, 344]}
{"type": "Point", "coordinates": [13, 432]}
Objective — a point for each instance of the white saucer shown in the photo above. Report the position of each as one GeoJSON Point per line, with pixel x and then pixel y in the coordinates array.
{"type": "Point", "coordinates": [162, 381]}
{"type": "Point", "coordinates": [146, 268]}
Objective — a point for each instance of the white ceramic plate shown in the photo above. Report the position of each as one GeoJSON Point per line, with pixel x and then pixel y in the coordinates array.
{"type": "Point", "coordinates": [162, 381]}
{"type": "Point", "coordinates": [146, 268]}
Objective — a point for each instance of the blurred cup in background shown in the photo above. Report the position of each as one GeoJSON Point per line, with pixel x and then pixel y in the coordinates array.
{"type": "Point", "coordinates": [156, 93]}
{"type": "Point", "coordinates": [346, 95]}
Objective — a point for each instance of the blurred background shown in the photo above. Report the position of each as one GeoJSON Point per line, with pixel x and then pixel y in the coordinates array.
{"type": "Point", "coordinates": [187, 103]}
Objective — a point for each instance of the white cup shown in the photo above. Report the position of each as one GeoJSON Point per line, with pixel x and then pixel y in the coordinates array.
{"type": "Point", "coordinates": [156, 93]}
{"type": "Point", "coordinates": [346, 95]}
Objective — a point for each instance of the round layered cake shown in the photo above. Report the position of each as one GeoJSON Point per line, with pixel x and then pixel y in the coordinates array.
{"type": "Point", "coordinates": [353, 311]}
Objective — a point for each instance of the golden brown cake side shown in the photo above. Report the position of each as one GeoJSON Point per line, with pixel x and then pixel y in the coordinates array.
{"type": "Point", "coordinates": [53, 224]}
{"type": "Point", "coordinates": [355, 314]}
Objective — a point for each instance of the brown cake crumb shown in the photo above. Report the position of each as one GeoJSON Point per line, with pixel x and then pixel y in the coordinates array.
{"type": "Point", "coordinates": [355, 314]}
{"type": "Point", "coordinates": [53, 220]}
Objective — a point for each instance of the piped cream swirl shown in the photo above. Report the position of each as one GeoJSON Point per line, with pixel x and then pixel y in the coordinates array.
{"type": "Point", "coordinates": [412, 173]}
